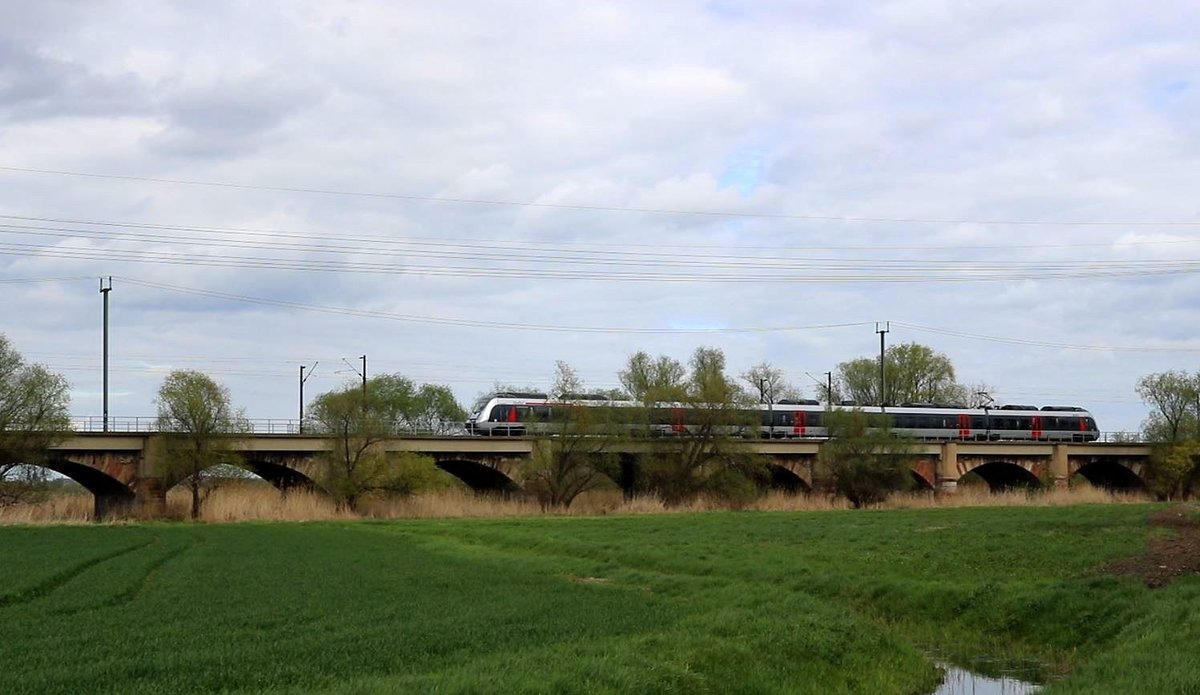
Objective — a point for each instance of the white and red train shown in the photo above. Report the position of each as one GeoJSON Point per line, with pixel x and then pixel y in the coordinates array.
{"type": "Point", "coordinates": [516, 414]}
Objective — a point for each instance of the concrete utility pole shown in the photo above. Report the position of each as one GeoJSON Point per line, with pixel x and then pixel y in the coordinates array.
{"type": "Point", "coordinates": [104, 291]}
{"type": "Point", "coordinates": [887, 327]}
{"type": "Point", "coordinates": [300, 423]}
{"type": "Point", "coordinates": [829, 388]}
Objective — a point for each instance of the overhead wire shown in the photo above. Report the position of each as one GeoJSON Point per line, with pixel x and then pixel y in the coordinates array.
{"type": "Point", "coordinates": [1044, 343]}
{"type": "Point", "coordinates": [647, 270]}
{"type": "Point", "coordinates": [474, 323]}
{"type": "Point", "coordinates": [597, 208]}
{"type": "Point", "coordinates": [528, 244]}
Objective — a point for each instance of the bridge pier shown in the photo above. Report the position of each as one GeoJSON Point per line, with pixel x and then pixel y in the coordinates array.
{"type": "Point", "coordinates": [947, 468]}
{"type": "Point", "coordinates": [1060, 468]}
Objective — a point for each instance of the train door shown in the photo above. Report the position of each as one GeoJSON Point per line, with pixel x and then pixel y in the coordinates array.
{"type": "Point", "coordinates": [964, 426]}
{"type": "Point", "coordinates": [677, 420]}
{"type": "Point", "coordinates": [799, 423]}
{"type": "Point", "coordinates": [1035, 427]}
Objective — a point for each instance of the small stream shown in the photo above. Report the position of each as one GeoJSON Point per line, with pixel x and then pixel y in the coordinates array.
{"type": "Point", "coordinates": [960, 681]}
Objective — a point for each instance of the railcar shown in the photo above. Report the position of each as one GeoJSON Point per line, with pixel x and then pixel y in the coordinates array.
{"type": "Point", "coordinates": [515, 414]}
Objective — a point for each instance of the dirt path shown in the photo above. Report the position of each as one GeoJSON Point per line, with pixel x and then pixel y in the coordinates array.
{"type": "Point", "coordinates": [1168, 556]}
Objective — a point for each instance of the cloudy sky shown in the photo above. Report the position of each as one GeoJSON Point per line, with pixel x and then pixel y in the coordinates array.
{"type": "Point", "coordinates": [466, 192]}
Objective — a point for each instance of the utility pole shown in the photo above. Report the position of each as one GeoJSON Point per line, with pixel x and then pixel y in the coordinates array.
{"type": "Point", "coordinates": [362, 373]}
{"type": "Point", "coordinates": [300, 425]}
{"type": "Point", "coordinates": [887, 327]}
{"type": "Point", "coordinates": [829, 388]}
{"type": "Point", "coordinates": [104, 291]}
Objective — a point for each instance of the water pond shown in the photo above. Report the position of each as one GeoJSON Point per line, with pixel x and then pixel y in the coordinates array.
{"type": "Point", "coordinates": [960, 681]}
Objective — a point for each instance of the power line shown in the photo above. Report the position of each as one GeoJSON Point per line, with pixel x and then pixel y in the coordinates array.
{"type": "Point", "coordinates": [474, 323]}
{"type": "Point", "coordinates": [803, 272]}
{"type": "Point", "coordinates": [1043, 343]}
{"type": "Point", "coordinates": [602, 208]}
{"type": "Point", "coordinates": [473, 242]}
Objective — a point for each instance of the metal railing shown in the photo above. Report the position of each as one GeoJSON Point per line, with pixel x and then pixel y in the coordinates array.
{"type": "Point", "coordinates": [149, 424]}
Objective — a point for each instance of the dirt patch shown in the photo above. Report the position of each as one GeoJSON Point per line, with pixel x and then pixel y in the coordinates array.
{"type": "Point", "coordinates": [1176, 554]}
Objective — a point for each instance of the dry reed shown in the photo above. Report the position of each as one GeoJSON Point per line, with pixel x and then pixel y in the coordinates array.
{"type": "Point", "coordinates": [63, 508]}
{"type": "Point", "coordinates": [247, 502]}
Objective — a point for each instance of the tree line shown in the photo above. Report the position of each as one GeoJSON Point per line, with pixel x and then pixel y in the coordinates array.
{"type": "Point", "coordinates": [579, 452]}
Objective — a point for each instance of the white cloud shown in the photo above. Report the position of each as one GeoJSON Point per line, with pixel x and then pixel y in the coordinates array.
{"type": "Point", "coordinates": [906, 109]}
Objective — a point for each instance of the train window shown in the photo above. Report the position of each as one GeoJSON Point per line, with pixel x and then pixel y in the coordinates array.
{"type": "Point", "coordinates": [499, 413]}
{"type": "Point", "coordinates": [978, 422]}
{"type": "Point", "coordinates": [815, 419]}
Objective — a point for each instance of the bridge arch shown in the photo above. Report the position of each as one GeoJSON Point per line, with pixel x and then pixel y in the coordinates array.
{"type": "Point", "coordinates": [919, 481]}
{"type": "Point", "coordinates": [787, 480]}
{"type": "Point", "coordinates": [1006, 475]}
{"type": "Point", "coordinates": [478, 476]}
{"type": "Point", "coordinates": [281, 472]}
{"type": "Point", "coordinates": [111, 495]}
{"type": "Point", "coordinates": [1111, 475]}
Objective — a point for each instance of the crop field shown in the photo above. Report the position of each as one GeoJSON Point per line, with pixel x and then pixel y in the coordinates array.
{"type": "Point", "coordinates": [817, 602]}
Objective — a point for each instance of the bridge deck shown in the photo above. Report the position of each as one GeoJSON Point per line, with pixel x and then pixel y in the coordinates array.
{"type": "Point", "coordinates": [293, 443]}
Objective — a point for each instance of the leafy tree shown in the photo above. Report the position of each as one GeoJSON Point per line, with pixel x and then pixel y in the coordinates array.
{"type": "Point", "coordinates": [34, 415]}
{"type": "Point", "coordinates": [862, 460]}
{"type": "Point", "coordinates": [1173, 395]}
{"type": "Point", "coordinates": [914, 374]}
{"type": "Point", "coordinates": [649, 379]}
{"type": "Point", "coordinates": [1174, 425]}
{"type": "Point", "coordinates": [770, 384]}
{"type": "Point", "coordinates": [574, 451]}
{"type": "Point", "coordinates": [707, 453]}
{"type": "Point", "coordinates": [197, 419]}
{"type": "Point", "coordinates": [1171, 469]}
{"type": "Point", "coordinates": [357, 466]}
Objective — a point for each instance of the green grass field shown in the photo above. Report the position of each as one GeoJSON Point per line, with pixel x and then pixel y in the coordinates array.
{"type": "Point", "coordinates": [826, 602]}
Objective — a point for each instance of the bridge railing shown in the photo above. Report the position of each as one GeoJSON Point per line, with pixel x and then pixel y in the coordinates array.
{"type": "Point", "coordinates": [145, 424]}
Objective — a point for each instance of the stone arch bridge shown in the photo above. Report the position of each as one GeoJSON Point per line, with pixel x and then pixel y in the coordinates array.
{"type": "Point", "coordinates": [124, 471]}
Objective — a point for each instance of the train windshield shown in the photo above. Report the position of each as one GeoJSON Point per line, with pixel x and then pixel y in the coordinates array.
{"type": "Point", "coordinates": [480, 405]}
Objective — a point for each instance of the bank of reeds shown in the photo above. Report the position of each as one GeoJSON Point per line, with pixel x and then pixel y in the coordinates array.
{"type": "Point", "coordinates": [246, 502]}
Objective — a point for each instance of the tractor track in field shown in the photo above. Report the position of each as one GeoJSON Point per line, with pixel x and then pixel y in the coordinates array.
{"type": "Point", "coordinates": [1168, 556]}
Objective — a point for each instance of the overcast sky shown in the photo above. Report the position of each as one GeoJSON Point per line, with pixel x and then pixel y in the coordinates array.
{"type": "Point", "coordinates": [466, 192]}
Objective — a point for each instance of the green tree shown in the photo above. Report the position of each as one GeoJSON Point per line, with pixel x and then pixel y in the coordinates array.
{"type": "Point", "coordinates": [34, 416]}
{"type": "Point", "coordinates": [1173, 425]}
{"type": "Point", "coordinates": [198, 423]}
{"type": "Point", "coordinates": [862, 460]}
{"type": "Point", "coordinates": [652, 379]}
{"type": "Point", "coordinates": [573, 453]}
{"type": "Point", "coordinates": [710, 416]}
{"type": "Point", "coordinates": [1173, 396]}
{"type": "Point", "coordinates": [1171, 469]}
{"type": "Point", "coordinates": [357, 465]}
{"type": "Point", "coordinates": [914, 374]}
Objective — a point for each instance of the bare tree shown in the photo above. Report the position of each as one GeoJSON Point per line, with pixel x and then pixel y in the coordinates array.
{"type": "Point", "coordinates": [770, 384]}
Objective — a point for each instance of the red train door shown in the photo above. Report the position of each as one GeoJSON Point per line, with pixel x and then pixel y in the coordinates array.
{"type": "Point", "coordinates": [1035, 425]}
{"type": "Point", "coordinates": [799, 423]}
{"type": "Point", "coordinates": [677, 420]}
{"type": "Point", "coordinates": [964, 426]}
